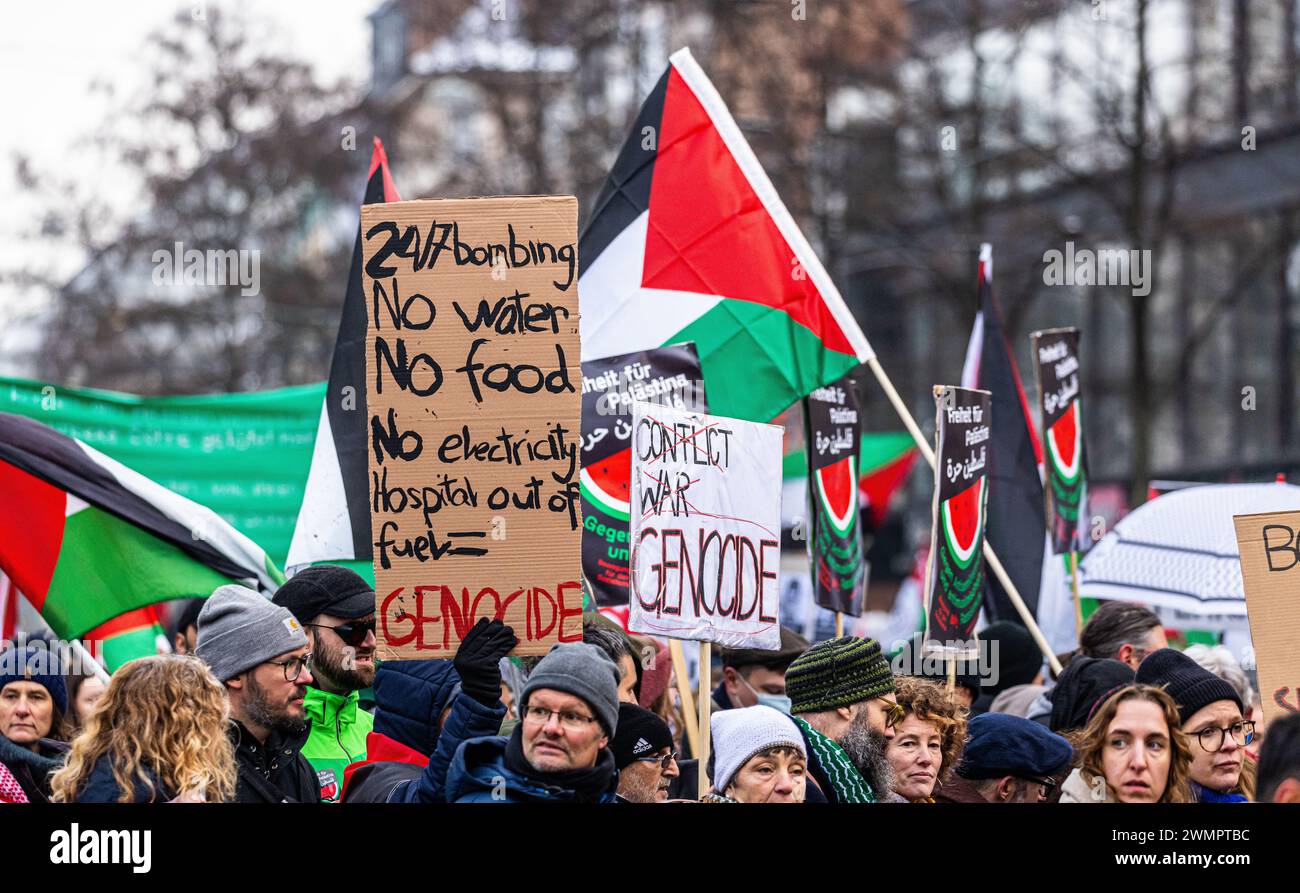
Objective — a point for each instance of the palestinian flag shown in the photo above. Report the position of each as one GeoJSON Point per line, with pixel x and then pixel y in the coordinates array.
{"type": "Point", "coordinates": [1016, 528]}
{"type": "Point", "coordinates": [334, 521]}
{"type": "Point", "coordinates": [883, 462]}
{"type": "Point", "coordinates": [137, 633]}
{"type": "Point", "coordinates": [8, 609]}
{"type": "Point", "coordinates": [960, 515]}
{"type": "Point", "coordinates": [87, 539]}
{"type": "Point", "coordinates": [688, 241]}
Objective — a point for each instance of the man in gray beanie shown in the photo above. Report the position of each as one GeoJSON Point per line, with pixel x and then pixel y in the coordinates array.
{"type": "Point", "coordinates": [559, 752]}
{"type": "Point", "coordinates": [259, 651]}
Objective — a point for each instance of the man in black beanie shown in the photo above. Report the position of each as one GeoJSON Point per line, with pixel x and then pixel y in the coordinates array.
{"type": "Point", "coordinates": [1211, 711]}
{"type": "Point", "coordinates": [643, 755]}
{"type": "Point", "coordinates": [1084, 682]}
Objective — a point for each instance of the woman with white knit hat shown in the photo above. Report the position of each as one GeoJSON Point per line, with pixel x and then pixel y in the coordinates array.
{"type": "Point", "coordinates": [758, 757]}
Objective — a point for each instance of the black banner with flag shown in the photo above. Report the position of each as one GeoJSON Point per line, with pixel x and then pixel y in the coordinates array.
{"type": "Point", "coordinates": [833, 426]}
{"type": "Point", "coordinates": [1056, 360]}
{"type": "Point", "coordinates": [666, 375]}
{"type": "Point", "coordinates": [955, 578]}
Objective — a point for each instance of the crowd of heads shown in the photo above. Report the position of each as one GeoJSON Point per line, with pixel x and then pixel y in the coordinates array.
{"type": "Point", "coordinates": [232, 713]}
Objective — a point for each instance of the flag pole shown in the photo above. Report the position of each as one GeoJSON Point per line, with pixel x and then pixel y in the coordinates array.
{"type": "Point", "coordinates": [706, 701]}
{"type": "Point", "coordinates": [952, 673]}
{"type": "Point", "coordinates": [989, 555]}
{"type": "Point", "coordinates": [691, 731]}
{"type": "Point", "coordinates": [88, 658]}
{"type": "Point", "coordinates": [839, 624]}
{"type": "Point", "coordinates": [1074, 584]}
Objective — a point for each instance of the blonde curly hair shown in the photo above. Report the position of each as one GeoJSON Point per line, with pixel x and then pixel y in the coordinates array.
{"type": "Point", "coordinates": [167, 714]}
{"type": "Point", "coordinates": [930, 702]}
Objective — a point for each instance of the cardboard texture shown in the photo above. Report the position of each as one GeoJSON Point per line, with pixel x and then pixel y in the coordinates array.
{"type": "Point", "coordinates": [706, 528]}
{"type": "Point", "coordinates": [474, 395]}
{"type": "Point", "coordinates": [1270, 572]}
{"type": "Point", "coordinates": [955, 568]}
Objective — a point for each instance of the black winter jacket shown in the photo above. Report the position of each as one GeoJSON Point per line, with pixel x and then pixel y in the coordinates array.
{"type": "Point", "coordinates": [274, 772]}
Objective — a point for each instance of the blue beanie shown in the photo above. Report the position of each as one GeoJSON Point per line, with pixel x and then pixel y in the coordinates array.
{"type": "Point", "coordinates": [39, 665]}
{"type": "Point", "coordinates": [999, 744]}
{"type": "Point", "coordinates": [410, 696]}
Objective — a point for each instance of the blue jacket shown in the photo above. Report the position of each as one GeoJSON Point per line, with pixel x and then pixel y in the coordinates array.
{"type": "Point", "coordinates": [479, 768]}
{"type": "Point", "coordinates": [101, 787]}
{"type": "Point", "coordinates": [410, 747]}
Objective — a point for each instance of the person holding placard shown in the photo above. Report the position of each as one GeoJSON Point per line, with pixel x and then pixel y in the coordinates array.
{"type": "Point", "coordinates": [559, 752]}
{"type": "Point", "coordinates": [841, 693]}
{"type": "Point", "coordinates": [1211, 715]}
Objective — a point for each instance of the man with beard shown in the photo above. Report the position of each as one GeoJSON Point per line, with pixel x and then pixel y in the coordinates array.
{"type": "Point", "coordinates": [1008, 759]}
{"type": "Point", "coordinates": [259, 651]}
{"type": "Point", "coordinates": [841, 693]}
{"type": "Point", "coordinates": [337, 608]}
{"type": "Point", "coordinates": [643, 755]}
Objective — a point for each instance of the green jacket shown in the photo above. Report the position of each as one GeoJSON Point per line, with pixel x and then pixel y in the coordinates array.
{"type": "Point", "coordinates": [338, 737]}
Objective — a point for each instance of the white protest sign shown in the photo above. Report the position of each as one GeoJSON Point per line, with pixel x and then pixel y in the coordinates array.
{"type": "Point", "coordinates": [705, 528]}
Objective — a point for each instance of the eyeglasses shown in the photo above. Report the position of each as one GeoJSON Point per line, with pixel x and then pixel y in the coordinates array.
{"type": "Point", "coordinates": [1212, 738]}
{"type": "Point", "coordinates": [894, 713]}
{"type": "Point", "coordinates": [570, 720]}
{"type": "Point", "coordinates": [293, 667]}
{"type": "Point", "coordinates": [664, 761]}
{"type": "Point", "coordinates": [352, 633]}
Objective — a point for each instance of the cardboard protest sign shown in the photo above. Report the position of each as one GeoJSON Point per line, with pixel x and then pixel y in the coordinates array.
{"type": "Point", "coordinates": [1056, 366]}
{"type": "Point", "coordinates": [475, 414]}
{"type": "Point", "coordinates": [834, 430]}
{"type": "Point", "coordinates": [1269, 546]}
{"type": "Point", "coordinates": [706, 528]}
{"type": "Point", "coordinates": [955, 569]}
{"type": "Point", "coordinates": [669, 376]}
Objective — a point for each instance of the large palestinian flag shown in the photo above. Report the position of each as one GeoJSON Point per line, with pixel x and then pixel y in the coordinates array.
{"type": "Point", "coordinates": [334, 521]}
{"type": "Point", "coordinates": [688, 241]}
{"type": "Point", "coordinates": [87, 539]}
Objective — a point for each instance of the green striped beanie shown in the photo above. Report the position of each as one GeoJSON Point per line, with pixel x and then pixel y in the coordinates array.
{"type": "Point", "coordinates": [837, 673]}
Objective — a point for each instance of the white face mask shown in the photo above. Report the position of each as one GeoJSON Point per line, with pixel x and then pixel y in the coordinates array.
{"type": "Point", "coordinates": [776, 702]}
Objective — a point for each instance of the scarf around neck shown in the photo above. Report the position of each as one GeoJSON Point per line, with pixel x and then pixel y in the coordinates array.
{"type": "Point", "coordinates": [588, 785]}
{"type": "Point", "coordinates": [847, 781]}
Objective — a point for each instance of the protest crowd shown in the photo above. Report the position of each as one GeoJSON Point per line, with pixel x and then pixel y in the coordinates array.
{"type": "Point", "coordinates": [267, 709]}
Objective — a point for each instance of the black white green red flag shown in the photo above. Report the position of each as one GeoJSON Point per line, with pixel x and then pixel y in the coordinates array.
{"type": "Point", "coordinates": [87, 539]}
{"type": "Point", "coordinates": [688, 241]}
{"type": "Point", "coordinates": [334, 521]}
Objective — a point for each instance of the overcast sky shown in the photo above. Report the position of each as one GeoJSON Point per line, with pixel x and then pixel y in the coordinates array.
{"type": "Point", "coordinates": [51, 52]}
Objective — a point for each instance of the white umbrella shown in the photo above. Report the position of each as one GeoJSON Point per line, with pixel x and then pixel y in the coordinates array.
{"type": "Point", "coordinates": [1178, 554]}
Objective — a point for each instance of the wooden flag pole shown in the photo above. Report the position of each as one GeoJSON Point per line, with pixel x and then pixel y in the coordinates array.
{"type": "Point", "coordinates": [989, 555]}
{"type": "Point", "coordinates": [706, 702]}
{"type": "Point", "coordinates": [1074, 584]}
{"type": "Point", "coordinates": [89, 659]}
{"type": "Point", "coordinates": [691, 731]}
{"type": "Point", "coordinates": [952, 673]}
{"type": "Point", "coordinates": [839, 624]}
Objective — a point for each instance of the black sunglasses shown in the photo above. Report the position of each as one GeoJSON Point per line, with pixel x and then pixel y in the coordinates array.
{"type": "Point", "coordinates": [353, 632]}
